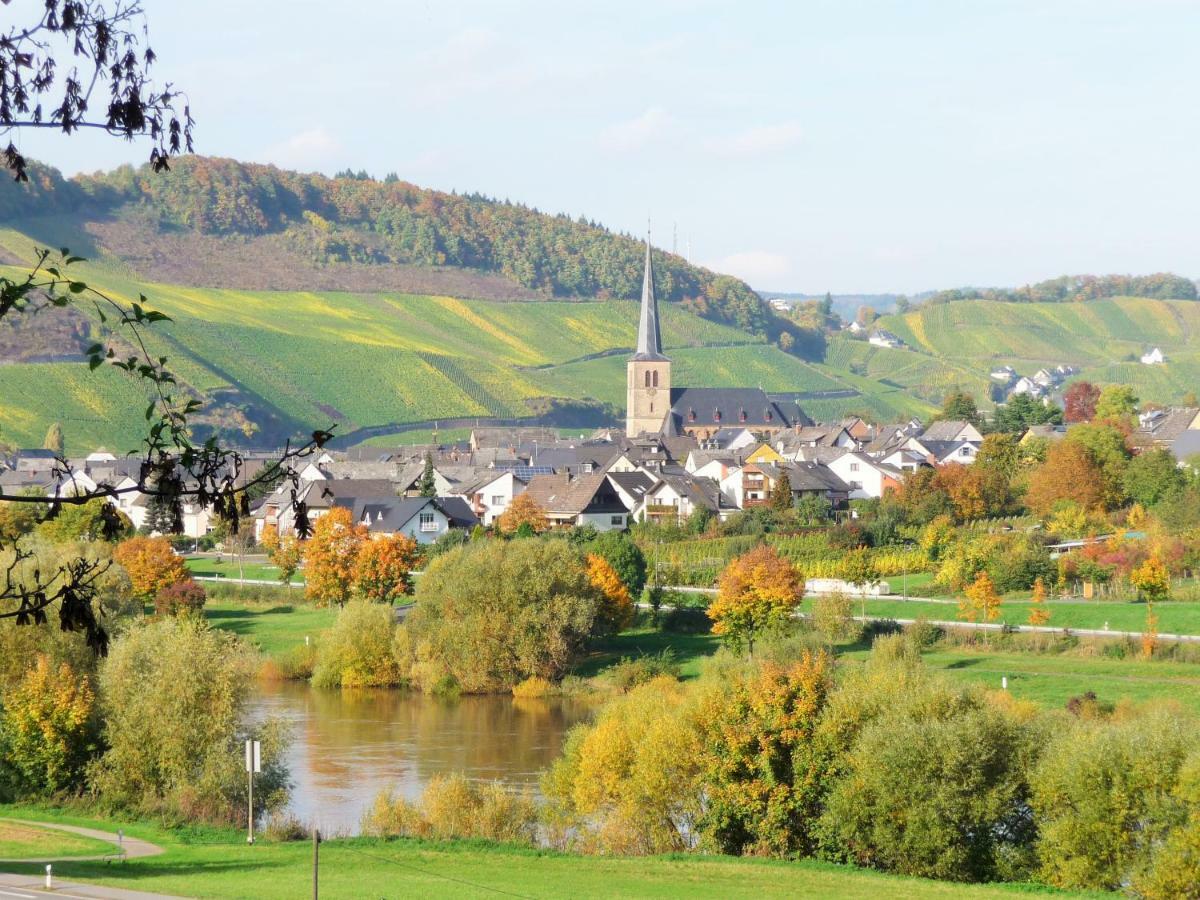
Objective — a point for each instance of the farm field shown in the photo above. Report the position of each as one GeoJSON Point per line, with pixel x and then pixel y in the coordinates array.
{"type": "Point", "coordinates": [218, 864]}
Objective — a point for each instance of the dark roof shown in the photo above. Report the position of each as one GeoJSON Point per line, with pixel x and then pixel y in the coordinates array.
{"type": "Point", "coordinates": [458, 511]}
{"type": "Point", "coordinates": [383, 514]}
{"type": "Point", "coordinates": [635, 484]}
{"type": "Point", "coordinates": [725, 406]}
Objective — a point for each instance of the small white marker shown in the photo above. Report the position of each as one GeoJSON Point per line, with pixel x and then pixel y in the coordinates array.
{"type": "Point", "coordinates": [1004, 682]}
{"type": "Point", "coordinates": [49, 877]}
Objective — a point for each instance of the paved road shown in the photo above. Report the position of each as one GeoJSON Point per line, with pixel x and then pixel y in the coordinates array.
{"type": "Point", "coordinates": [27, 887]}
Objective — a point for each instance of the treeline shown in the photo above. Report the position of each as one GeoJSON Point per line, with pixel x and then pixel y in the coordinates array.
{"type": "Point", "coordinates": [1081, 288]}
{"type": "Point", "coordinates": [357, 219]}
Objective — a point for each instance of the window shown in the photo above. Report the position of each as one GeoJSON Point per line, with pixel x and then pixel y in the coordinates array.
{"type": "Point", "coordinates": [428, 523]}
{"type": "Point", "coordinates": [853, 467]}
{"type": "Point", "coordinates": [855, 485]}
{"type": "Point", "coordinates": [651, 407]}
{"type": "Point", "coordinates": [616, 521]}
{"type": "Point", "coordinates": [497, 500]}
{"type": "Point", "coordinates": [716, 415]}
{"type": "Point", "coordinates": [742, 416]}
{"type": "Point", "coordinates": [691, 415]}
{"type": "Point", "coordinates": [656, 377]}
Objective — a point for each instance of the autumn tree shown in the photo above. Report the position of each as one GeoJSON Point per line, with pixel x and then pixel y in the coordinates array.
{"type": "Point", "coordinates": [1117, 403]}
{"type": "Point", "coordinates": [980, 602]}
{"type": "Point", "coordinates": [1152, 580]}
{"type": "Point", "coordinates": [615, 612]}
{"type": "Point", "coordinates": [1079, 402]}
{"type": "Point", "coordinates": [1069, 473]}
{"type": "Point", "coordinates": [384, 566]}
{"type": "Point", "coordinates": [1039, 613]}
{"type": "Point", "coordinates": [285, 553]}
{"type": "Point", "coordinates": [152, 564]}
{"type": "Point", "coordinates": [859, 569]}
{"type": "Point", "coordinates": [523, 510]}
{"type": "Point", "coordinates": [758, 592]}
{"type": "Point", "coordinates": [331, 557]}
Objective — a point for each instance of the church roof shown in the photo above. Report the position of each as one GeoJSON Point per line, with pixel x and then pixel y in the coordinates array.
{"type": "Point", "coordinates": [745, 407]}
{"type": "Point", "coordinates": [649, 344]}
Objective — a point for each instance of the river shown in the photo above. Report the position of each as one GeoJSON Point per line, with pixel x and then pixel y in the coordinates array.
{"type": "Point", "coordinates": [348, 745]}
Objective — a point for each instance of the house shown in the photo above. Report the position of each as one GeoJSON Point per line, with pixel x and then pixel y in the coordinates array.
{"type": "Point", "coordinates": [1003, 374]}
{"type": "Point", "coordinates": [424, 519]}
{"type": "Point", "coordinates": [585, 500]}
{"type": "Point", "coordinates": [856, 327]}
{"type": "Point", "coordinates": [632, 487]}
{"type": "Point", "coordinates": [489, 495]}
{"type": "Point", "coordinates": [858, 429]}
{"type": "Point", "coordinates": [883, 338]}
{"type": "Point", "coordinates": [952, 430]}
{"type": "Point", "coordinates": [865, 477]}
{"type": "Point", "coordinates": [676, 496]}
{"type": "Point", "coordinates": [1048, 432]}
{"type": "Point", "coordinates": [1026, 385]}
{"type": "Point", "coordinates": [809, 479]}
{"type": "Point", "coordinates": [1163, 427]}
{"type": "Point", "coordinates": [765, 453]}
{"type": "Point", "coordinates": [905, 460]}
{"type": "Point", "coordinates": [1153, 357]}
{"type": "Point", "coordinates": [729, 439]}
{"type": "Point", "coordinates": [943, 452]}
{"type": "Point", "coordinates": [318, 497]}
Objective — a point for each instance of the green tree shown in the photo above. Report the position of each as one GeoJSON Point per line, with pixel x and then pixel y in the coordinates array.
{"type": "Point", "coordinates": [781, 495]}
{"type": "Point", "coordinates": [1152, 476]}
{"type": "Point", "coordinates": [428, 484]}
{"type": "Point", "coordinates": [55, 440]}
{"type": "Point", "coordinates": [624, 555]}
{"type": "Point", "coordinates": [92, 521]}
{"type": "Point", "coordinates": [357, 650]}
{"type": "Point", "coordinates": [959, 406]}
{"type": "Point", "coordinates": [1118, 403]}
{"type": "Point", "coordinates": [813, 509]}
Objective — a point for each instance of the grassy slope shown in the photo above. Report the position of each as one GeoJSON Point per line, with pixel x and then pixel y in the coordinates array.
{"type": "Point", "coordinates": [19, 841]}
{"type": "Point", "coordinates": [219, 864]}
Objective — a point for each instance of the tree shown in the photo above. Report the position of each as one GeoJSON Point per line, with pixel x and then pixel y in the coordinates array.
{"type": "Point", "coordinates": [285, 553]}
{"type": "Point", "coordinates": [181, 598]}
{"type": "Point", "coordinates": [428, 484]}
{"type": "Point", "coordinates": [762, 771]}
{"type": "Point", "coordinates": [860, 571]}
{"type": "Point", "coordinates": [490, 614]}
{"type": "Point", "coordinates": [1152, 476]}
{"type": "Point", "coordinates": [1117, 403]}
{"type": "Point", "coordinates": [152, 564]}
{"type": "Point", "coordinates": [781, 495]}
{"type": "Point", "coordinates": [1068, 474]}
{"type": "Point", "coordinates": [331, 557]}
{"type": "Point", "coordinates": [383, 568]}
{"type": "Point", "coordinates": [54, 440]}
{"type": "Point", "coordinates": [813, 509]}
{"type": "Point", "coordinates": [615, 613]}
{"type": "Point", "coordinates": [1079, 402]}
{"type": "Point", "coordinates": [47, 730]}
{"type": "Point", "coordinates": [357, 650]}
{"type": "Point", "coordinates": [980, 601]}
{"type": "Point", "coordinates": [959, 406]}
{"type": "Point", "coordinates": [624, 555]}
{"type": "Point", "coordinates": [865, 316]}
{"type": "Point", "coordinates": [1021, 411]}
{"type": "Point", "coordinates": [523, 511]}
{"type": "Point", "coordinates": [93, 521]}
{"type": "Point", "coordinates": [903, 305]}
{"type": "Point", "coordinates": [1039, 614]}
{"type": "Point", "coordinates": [1152, 580]}
{"type": "Point", "coordinates": [758, 592]}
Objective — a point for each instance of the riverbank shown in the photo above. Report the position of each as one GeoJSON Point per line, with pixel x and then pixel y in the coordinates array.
{"type": "Point", "coordinates": [217, 863]}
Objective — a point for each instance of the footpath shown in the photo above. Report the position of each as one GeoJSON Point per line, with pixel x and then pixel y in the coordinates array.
{"type": "Point", "coordinates": [27, 887]}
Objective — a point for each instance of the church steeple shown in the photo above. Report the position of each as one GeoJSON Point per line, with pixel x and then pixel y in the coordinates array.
{"type": "Point", "coordinates": [649, 344]}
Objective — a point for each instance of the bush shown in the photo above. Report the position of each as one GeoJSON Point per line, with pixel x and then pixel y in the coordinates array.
{"type": "Point", "coordinates": [833, 618]}
{"type": "Point", "coordinates": [182, 597]}
{"type": "Point", "coordinates": [453, 807]}
{"type": "Point", "coordinates": [533, 687]}
{"type": "Point", "coordinates": [686, 620]}
{"type": "Point", "coordinates": [173, 697]}
{"type": "Point", "coordinates": [619, 550]}
{"type": "Point", "coordinates": [357, 650]}
{"type": "Point", "coordinates": [48, 731]}
{"type": "Point", "coordinates": [633, 671]}
{"type": "Point", "coordinates": [283, 827]}
{"type": "Point", "coordinates": [492, 614]}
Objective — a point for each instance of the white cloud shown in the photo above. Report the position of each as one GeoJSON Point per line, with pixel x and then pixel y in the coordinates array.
{"type": "Point", "coordinates": [314, 150]}
{"type": "Point", "coordinates": [651, 126]}
{"type": "Point", "coordinates": [758, 141]}
{"type": "Point", "coordinates": [759, 267]}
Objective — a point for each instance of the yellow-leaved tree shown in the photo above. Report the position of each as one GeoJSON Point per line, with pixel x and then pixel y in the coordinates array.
{"type": "Point", "coordinates": [285, 552]}
{"type": "Point", "coordinates": [615, 612]}
{"type": "Point", "coordinates": [331, 557]}
{"type": "Point", "coordinates": [383, 570]}
{"type": "Point", "coordinates": [1039, 614]}
{"type": "Point", "coordinates": [523, 510]}
{"type": "Point", "coordinates": [152, 564]}
{"type": "Point", "coordinates": [758, 592]}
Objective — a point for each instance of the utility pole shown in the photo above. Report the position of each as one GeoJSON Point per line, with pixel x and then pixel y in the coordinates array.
{"type": "Point", "coordinates": [316, 854]}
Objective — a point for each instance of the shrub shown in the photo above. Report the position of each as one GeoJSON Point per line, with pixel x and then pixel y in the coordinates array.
{"type": "Point", "coordinates": [182, 597]}
{"type": "Point", "coordinates": [620, 551]}
{"type": "Point", "coordinates": [833, 618]}
{"type": "Point", "coordinates": [47, 731]}
{"type": "Point", "coordinates": [615, 611]}
{"type": "Point", "coordinates": [283, 827]}
{"type": "Point", "coordinates": [357, 650]}
{"type": "Point", "coordinates": [173, 696]}
{"type": "Point", "coordinates": [686, 620]}
{"type": "Point", "coordinates": [633, 671]}
{"type": "Point", "coordinates": [533, 687]}
{"type": "Point", "coordinates": [453, 807]}
{"type": "Point", "coordinates": [494, 613]}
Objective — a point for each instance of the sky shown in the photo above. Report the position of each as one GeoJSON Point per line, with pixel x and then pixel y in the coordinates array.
{"type": "Point", "coordinates": [850, 146]}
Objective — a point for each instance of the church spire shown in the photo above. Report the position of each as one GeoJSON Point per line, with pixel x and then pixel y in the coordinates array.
{"type": "Point", "coordinates": [649, 345]}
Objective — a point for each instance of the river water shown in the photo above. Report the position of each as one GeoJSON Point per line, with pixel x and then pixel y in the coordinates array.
{"type": "Point", "coordinates": [348, 745]}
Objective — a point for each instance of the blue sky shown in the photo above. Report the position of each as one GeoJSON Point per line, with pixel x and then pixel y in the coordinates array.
{"type": "Point", "coordinates": [845, 146]}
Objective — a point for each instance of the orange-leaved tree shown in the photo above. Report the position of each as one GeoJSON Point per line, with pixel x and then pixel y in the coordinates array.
{"type": "Point", "coordinates": [331, 557]}
{"type": "Point", "coordinates": [981, 602]}
{"type": "Point", "coordinates": [1069, 473]}
{"type": "Point", "coordinates": [616, 610]}
{"type": "Point", "coordinates": [384, 567]}
{"type": "Point", "coordinates": [523, 510]}
{"type": "Point", "coordinates": [758, 592]}
{"type": "Point", "coordinates": [152, 564]}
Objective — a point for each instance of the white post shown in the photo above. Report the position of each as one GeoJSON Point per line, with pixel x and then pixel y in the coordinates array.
{"type": "Point", "coordinates": [49, 877]}
{"type": "Point", "coordinates": [253, 765]}
{"type": "Point", "coordinates": [1004, 682]}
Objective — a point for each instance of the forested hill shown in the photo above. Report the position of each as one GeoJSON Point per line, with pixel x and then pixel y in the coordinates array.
{"type": "Point", "coordinates": [222, 223]}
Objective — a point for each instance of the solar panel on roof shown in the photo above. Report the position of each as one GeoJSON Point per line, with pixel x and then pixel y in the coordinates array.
{"type": "Point", "coordinates": [527, 472]}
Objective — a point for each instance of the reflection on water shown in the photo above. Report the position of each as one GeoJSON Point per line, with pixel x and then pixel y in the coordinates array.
{"type": "Point", "coordinates": [348, 745]}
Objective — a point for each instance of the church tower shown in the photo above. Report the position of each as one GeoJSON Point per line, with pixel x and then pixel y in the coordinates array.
{"type": "Point", "coordinates": [648, 374]}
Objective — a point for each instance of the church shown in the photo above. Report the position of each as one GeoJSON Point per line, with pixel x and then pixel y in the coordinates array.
{"type": "Point", "coordinates": [655, 406]}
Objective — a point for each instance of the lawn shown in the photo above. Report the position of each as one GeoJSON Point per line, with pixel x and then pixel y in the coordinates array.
{"type": "Point", "coordinates": [689, 650]}
{"type": "Point", "coordinates": [229, 568]}
{"type": "Point", "coordinates": [1053, 679]}
{"type": "Point", "coordinates": [20, 841]}
{"type": "Point", "coordinates": [1173, 617]}
{"type": "Point", "coordinates": [219, 864]}
{"type": "Point", "coordinates": [273, 627]}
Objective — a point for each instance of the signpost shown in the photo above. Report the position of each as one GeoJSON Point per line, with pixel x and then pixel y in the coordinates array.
{"type": "Point", "coordinates": [253, 767]}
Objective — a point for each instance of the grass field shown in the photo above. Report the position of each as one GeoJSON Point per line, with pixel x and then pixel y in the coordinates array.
{"type": "Point", "coordinates": [229, 568]}
{"type": "Point", "coordinates": [20, 841]}
{"type": "Point", "coordinates": [219, 864]}
{"type": "Point", "coordinates": [273, 627]}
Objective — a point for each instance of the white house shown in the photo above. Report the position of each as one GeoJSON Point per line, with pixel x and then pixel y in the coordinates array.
{"type": "Point", "coordinates": [883, 338]}
{"type": "Point", "coordinates": [867, 478]}
{"type": "Point", "coordinates": [1153, 357]}
{"type": "Point", "coordinates": [490, 495]}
